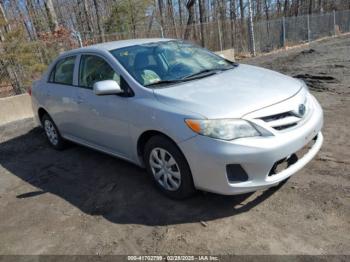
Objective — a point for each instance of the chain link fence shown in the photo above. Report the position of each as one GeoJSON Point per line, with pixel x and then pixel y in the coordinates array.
{"type": "Point", "coordinates": [16, 74]}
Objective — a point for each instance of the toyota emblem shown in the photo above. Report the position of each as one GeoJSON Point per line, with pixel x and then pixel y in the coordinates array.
{"type": "Point", "coordinates": [301, 110]}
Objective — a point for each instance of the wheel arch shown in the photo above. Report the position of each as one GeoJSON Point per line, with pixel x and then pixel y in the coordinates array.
{"type": "Point", "coordinates": [41, 113]}
{"type": "Point", "coordinates": [146, 136]}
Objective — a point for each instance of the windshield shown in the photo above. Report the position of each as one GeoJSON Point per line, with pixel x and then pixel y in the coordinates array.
{"type": "Point", "coordinates": [169, 62]}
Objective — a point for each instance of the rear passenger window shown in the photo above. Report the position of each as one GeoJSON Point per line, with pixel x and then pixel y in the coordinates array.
{"type": "Point", "coordinates": [63, 71]}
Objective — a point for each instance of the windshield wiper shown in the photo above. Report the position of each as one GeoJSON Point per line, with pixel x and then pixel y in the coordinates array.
{"type": "Point", "coordinates": [208, 72]}
{"type": "Point", "coordinates": [203, 73]}
{"type": "Point", "coordinates": [174, 81]}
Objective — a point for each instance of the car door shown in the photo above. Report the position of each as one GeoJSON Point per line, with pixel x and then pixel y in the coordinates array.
{"type": "Point", "coordinates": [103, 119]}
{"type": "Point", "coordinates": [62, 95]}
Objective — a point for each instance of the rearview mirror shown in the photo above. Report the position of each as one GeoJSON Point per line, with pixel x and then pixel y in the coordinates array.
{"type": "Point", "coordinates": [107, 87]}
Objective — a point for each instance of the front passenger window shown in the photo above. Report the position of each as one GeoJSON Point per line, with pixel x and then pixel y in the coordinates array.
{"type": "Point", "coordinates": [93, 69]}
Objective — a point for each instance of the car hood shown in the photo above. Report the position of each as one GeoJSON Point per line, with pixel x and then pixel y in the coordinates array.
{"type": "Point", "coordinates": [232, 93]}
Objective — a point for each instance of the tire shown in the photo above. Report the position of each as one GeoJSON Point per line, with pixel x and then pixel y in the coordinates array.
{"type": "Point", "coordinates": [52, 134]}
{"type": "Point", "coordinates": [168, 168]}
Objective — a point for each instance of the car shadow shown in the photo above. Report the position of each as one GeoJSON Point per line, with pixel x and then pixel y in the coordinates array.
{"type": "Point", "coordinates": [101, 185]}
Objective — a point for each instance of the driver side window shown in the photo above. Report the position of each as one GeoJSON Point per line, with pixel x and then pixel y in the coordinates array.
{"type": "Point", "coordinates": [93, 69]}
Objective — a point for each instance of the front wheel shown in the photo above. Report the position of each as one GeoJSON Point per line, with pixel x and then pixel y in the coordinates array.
{"type": "Point", "coordinates": [168, 168]}
{"type": "Point", "coordinates": [52, 133]}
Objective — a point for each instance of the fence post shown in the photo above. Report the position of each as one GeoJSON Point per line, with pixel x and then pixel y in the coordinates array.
{"type": "Point", "coordinates": [220, 36]}
{"type": "Point", "coordinates": [334, 24]}
{"type": "Point", "coordinates": [308, 29]}
{"type": "Point", "coordinates": [283, 31]}
{"type": "Point", "coordinates": [251, 30]}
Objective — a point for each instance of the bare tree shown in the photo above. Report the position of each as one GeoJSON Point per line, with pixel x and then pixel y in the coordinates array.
{"type": "Point", "coordinates": [6, 25]}
{"type": "Point", "coordinates": [5, 65]}
{"type": "Point", "coordinates": [296, 7]}
{"type": "Point", "coordinates": [160, 6]}
{"type": "Point", "coordinates": [241, 7]}
{"type": "Point", "coordinates": [201, 20]}
{"type": "Point", "coordinates": [87, 17]}
{"type": "Point", "coordinates": [190, 9]}
{"type": "Point", "coordinates": [233, 18]}
{"type": "Point", "coordinates": [99, 21]}
{"type": "Point", "coordinates": [171, 15]}
{"type": "Point", "coordinates": [279, 8]}
{"type": "Point", "coordinates": [180, 11]}
{"type": "Point", "coordinates": [310, 6]}
{"type": "Point", "coordinates": [286, 7]}
{"type": "Point", "coordinates": [258, 9]}
{"type": "Point", "coordinates": [51, 15]}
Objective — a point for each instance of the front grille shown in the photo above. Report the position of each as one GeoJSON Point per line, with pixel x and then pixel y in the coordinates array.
{"type": "Point", "coordinates": [277, 116]}
{"type": "Point", "coordinates": [284, 127]}
{"type": "Point", "coordinates": [282, 121]}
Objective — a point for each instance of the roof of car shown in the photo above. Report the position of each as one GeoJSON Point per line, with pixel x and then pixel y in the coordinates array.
{"type": "Point", "coordinates": [107, 46]}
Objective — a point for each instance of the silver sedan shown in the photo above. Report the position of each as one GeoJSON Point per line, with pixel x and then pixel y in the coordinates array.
{"type": "Point", "coordinates": [193, 119]}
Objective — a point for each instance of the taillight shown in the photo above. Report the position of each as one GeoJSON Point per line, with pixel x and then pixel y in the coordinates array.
{"type": "Point", "coordinates": [30, 91]}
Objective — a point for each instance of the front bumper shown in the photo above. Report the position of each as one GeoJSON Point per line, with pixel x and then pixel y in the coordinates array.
{"type": "Point", "coordinates": [209, 157]}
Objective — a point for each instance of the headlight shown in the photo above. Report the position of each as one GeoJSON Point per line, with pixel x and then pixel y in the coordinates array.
{"type": "Point", "coordinates": [226, 129]}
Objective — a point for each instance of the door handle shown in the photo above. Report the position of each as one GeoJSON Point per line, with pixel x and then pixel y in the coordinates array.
{"type": "Point", "coordinates": [79, 100]}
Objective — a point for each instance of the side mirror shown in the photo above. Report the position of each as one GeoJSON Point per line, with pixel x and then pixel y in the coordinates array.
{"type": "Point", "coordinates": [107, 87]}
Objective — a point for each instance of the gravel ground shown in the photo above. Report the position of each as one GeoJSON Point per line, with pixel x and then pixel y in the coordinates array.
{"type": "Point", "coordinates": [83, 202]}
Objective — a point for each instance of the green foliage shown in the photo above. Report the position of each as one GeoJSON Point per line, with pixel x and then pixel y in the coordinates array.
{"type": "Point", "coordinates": [127, 15]}
{"type": "Point", "coordinates": [22, 56]}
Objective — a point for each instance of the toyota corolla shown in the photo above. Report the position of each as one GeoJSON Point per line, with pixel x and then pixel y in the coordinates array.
{"type": "Point", "coordinates": [193, 119]}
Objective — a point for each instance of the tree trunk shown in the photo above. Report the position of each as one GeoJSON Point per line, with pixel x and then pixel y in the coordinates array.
{"type": "Point", "coordinates": [6, 65]}
{"type": "Point", "coordinates": [279, 7]}
{"type": "Point", "coordinates": [296, 8]}
{"type": "Point", "coordinates": [180, 11]}
{"type": "Point", "coordinates": [222, 11]}
{"type": "Point", "coordinates": [99, 22]}
{"type": "Point", "coordinates": [190, 8]}
{"type": "Point", "coordinates": [78, 15]}
{"type": "Point", "coordinates": [233, 21]}
{"type": "Point", "coordinates": [32, 17]}
{"type": "Point", "coordinates": [7, 27]}
{"type": "Point", "coordinates": [150, 23]}
{"type": "Point", "coordinates": [171, 15]}
{"type": "Point", "coordinates": [258, 9]}
{"type": "Point", "coordinates": [267, 14]}
{"type": "Point", "coordinates": [87, 18]}
{"type": "Point", "coordinates": [160, 6]}
{"type": "Point", "coordinates": [310, 7]}
{"type": "Point", "coordinates": [285, 8]}
{"type": "Point", "coordinates": [201, 20]}
{"type": "Point", "coordinates": [241, 7]}
{"type": "Point", "coordinates": [51, 15]}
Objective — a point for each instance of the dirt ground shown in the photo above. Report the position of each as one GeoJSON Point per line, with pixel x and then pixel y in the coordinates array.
{"type": "Point", "coordinates": [83, 202]}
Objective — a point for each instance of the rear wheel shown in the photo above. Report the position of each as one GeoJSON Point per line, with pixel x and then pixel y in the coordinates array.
{"type": "Point", "coordinates": [52, 133]}
{"type": "Point", "coordinates": [168, 168]}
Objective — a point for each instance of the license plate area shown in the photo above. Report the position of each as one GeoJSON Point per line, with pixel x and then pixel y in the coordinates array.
{"type": "Point", "coordinates": [286, 162]}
